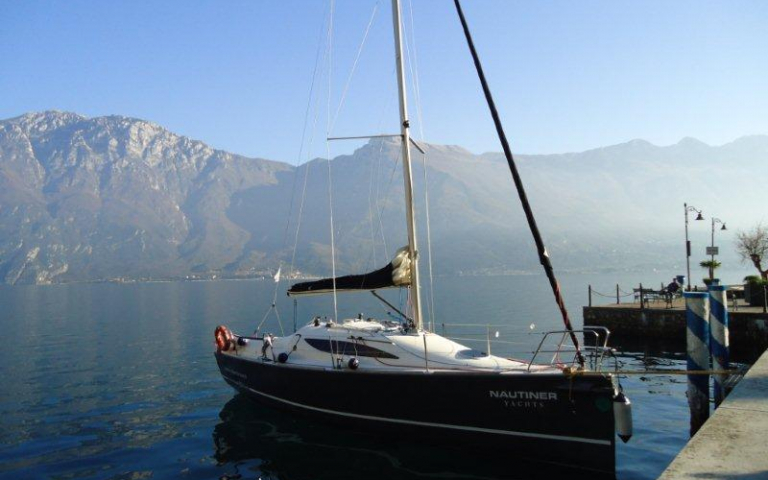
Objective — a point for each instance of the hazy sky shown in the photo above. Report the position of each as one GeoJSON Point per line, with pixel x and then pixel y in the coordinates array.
{"type": "Point", "coordinates": [567, 76]}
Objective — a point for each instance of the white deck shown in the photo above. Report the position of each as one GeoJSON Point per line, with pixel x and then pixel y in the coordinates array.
{"type": "Point", "coordinates": [442, 354]}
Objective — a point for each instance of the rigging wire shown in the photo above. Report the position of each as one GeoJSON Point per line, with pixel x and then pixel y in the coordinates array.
{"type": "Point", "coordinates": [301, 144]}
{"type": "Point", "coordinates": [307, 167]}
{"type": "Point", "coordinates": [328, 60]}
{"type": "Point", "coordinates": [370, 207]}
{"type": "Point", "coordinates": [387, 190]}
{"type": "Point", "coordinates": [414, 67]}
{"type": "Point", "coordinates": [378, 202]}
{"type": "Point", "coordinates": [328, 158]}
{"type": "Point", "coordinates": [390, 95]}
{"type": "Point", "coordinates": [354, 67]}
{"type": "Point", "coordinates": [332, 123]}
{"type": "Point", "coordinates": [381, 145]}
{"type": "Point", "coordinates": [273, 305]}
{"type": "Point", "coordinates": [374, 177]}
{"type": "Point", "coordinates": [308, 162]}
{"type": "Point", "coordinates": [303, 132]}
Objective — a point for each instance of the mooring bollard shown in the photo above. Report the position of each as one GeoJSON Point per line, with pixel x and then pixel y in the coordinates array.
{"type": "Point", "coordinates": [718, 342]}
{"type": "Point", "coordinates": [697, 347]}
{"type": "Point", "coordinates": [765, 298]}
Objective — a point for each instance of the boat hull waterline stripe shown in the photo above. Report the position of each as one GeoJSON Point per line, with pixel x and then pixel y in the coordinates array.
{"type": "Point", "coordinates": [424, 424]}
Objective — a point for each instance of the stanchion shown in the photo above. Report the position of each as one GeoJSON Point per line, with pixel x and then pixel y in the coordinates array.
{"type": "Point", "coordinates": [718, 342]}
{"type": "Point", "coordinates": [697, 347]}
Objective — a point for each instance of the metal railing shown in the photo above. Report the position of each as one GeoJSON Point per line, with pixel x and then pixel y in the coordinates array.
{"type": "Point", "coordinates": [594, 353]}
{"type": "Point", "coordinates": [489, 335]}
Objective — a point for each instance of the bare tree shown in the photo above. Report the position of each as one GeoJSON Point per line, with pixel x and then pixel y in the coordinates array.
{"type": "Point", "coordinates": [753, 246]}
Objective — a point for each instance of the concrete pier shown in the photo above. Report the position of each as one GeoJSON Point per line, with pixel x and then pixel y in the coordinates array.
{"type": "Point", "coordinates": [731, 445]}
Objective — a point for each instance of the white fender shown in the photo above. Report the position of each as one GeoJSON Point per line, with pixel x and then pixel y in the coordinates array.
{"type": "Point", "coordinates": [622, 413]}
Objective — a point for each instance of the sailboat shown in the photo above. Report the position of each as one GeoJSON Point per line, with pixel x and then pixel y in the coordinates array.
{"type": "Point", "coordinates": [399, 377]}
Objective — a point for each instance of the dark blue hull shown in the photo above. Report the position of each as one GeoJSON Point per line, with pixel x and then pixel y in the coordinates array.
{"type": "Point", "coordinates": [548, 418]}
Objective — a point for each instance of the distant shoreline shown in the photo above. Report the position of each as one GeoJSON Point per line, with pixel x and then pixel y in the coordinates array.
{"type": "Point", "coordinates": [645, 271]}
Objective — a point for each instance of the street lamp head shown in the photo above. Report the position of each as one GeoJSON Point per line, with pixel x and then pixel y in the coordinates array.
{"type": "Point", "coordinates": [723, 227]}
{"type": "Point", "coordinates": [699, 216]}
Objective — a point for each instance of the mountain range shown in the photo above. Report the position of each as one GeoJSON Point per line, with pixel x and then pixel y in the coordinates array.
{"type": "Point", "coordinates": [117, 198]}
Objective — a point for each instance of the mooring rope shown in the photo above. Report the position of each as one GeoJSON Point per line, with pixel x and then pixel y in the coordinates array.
{"type": "Point", "coordinates": [657, 372]}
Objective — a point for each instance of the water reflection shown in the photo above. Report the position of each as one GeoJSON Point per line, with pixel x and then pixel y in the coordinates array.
{"type": "Point", "coordinates": [253, 441]}
{"type": "Point", "coordinates": [674, 348]}
{"type": "Point", "coordinates": [109, 379]}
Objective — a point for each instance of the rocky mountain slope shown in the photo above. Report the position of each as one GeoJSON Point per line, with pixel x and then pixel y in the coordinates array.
{"type": "Point", "coordinates": [110, 197]}
{"type": "Point", "coordinates": [84, 199]}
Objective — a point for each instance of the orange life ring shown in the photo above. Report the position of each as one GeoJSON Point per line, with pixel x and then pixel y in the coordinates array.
{"type": "Point", "coordinates": [223, 338]}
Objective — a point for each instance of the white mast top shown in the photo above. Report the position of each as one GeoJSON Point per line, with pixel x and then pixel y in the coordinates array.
{"type": "Point", "coordinates": [407, 171]}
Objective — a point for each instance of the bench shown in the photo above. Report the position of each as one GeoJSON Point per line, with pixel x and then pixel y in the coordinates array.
{"type": "Point", "coordinates": [647, 295]}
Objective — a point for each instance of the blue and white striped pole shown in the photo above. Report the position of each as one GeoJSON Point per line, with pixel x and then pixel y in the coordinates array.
{"type": "Point", "coordinates": [718, 342]}
{"type": "Point", "coordinates": [697, 317]}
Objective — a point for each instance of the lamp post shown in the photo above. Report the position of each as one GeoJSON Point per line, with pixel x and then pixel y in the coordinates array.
{"type": "Point", "coordinates": [712, 249]}
{"type": "Point", "coordinates": [689, 208]}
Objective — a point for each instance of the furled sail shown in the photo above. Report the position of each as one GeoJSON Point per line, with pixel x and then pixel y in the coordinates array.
{"type": "Point", "coordinates": [396, 274]}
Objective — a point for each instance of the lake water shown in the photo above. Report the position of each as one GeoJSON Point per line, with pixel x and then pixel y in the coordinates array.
{"type": "Point", "coordinates": [111, 381]}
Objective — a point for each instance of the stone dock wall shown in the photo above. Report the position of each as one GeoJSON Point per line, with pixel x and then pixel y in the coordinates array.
{"type": "Point", "coordinates": [748, 330]}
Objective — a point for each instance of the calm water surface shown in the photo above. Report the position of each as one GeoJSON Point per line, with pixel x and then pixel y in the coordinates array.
{"type": "Point", "coordinates": [108, 381]}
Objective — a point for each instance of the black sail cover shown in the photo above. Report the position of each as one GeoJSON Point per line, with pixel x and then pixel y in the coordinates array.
{"type": "Point", "coordinates": [396, 274]}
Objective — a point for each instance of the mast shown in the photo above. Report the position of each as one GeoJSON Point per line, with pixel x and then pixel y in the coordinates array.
{"type": "Point", "coordinates": [407, 171]}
